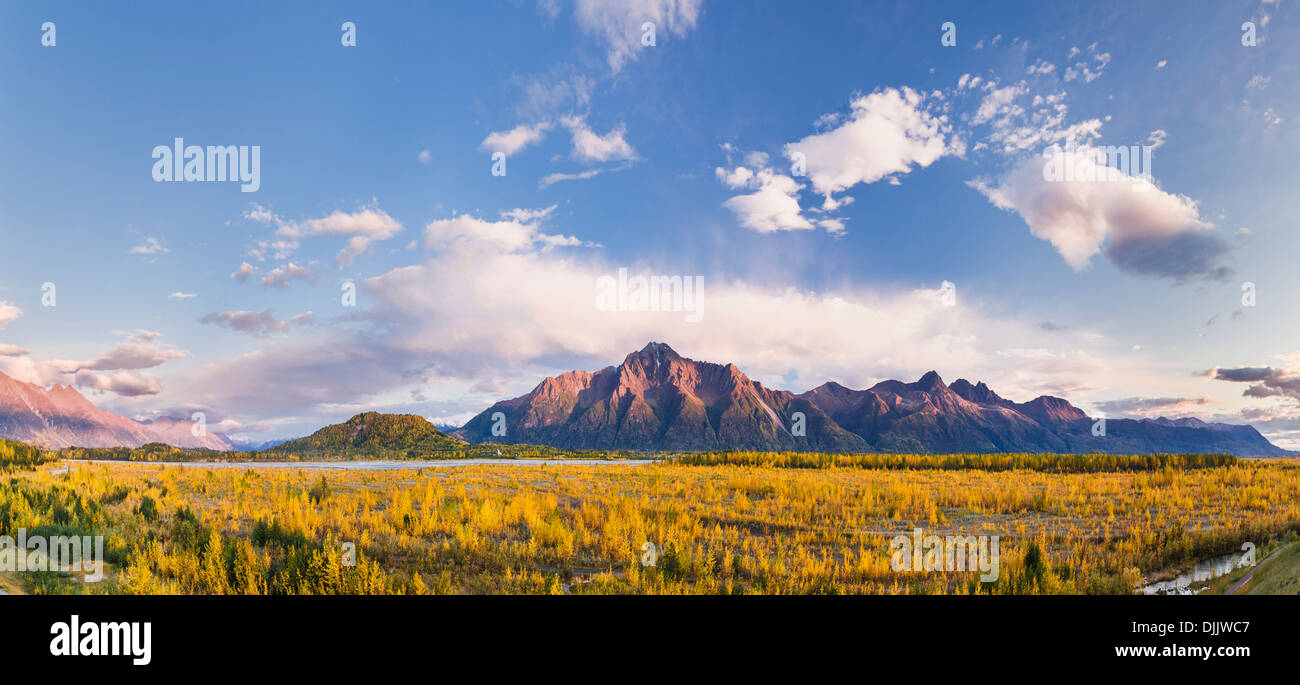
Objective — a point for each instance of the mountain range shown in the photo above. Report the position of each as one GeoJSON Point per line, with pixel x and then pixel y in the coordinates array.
{"type": "Point", "coordinates": [62, 417]}
{"type": "Point", "coordinates": [658, 400]}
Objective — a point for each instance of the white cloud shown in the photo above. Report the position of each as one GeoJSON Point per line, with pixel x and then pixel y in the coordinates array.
{"type": "Point", "coordinates": [999, 102]}
{"type": "Point", "coordinates": [1161, 64]}
{"type": "Point", "coordinates": [125, 383]}
{"type": "Point", "coordinates": [519, 232]}
{"type": "Point", "coordinates": [282, 275]}
{"type": "Point", "coordinates": [254, 323]}
{"type": "Point", "coordinates": [21, 367]}
{"type": "Point", "coordinates": [529, 215]}
{"type": "Point", "coordinates": [1015, 122]}
{"type": "Point", "coordinates": [773, 206]}
{"type": "Point", "coordinates": [8, 313]}
{"type": "Point", "coordinates": [1148, 232]}
{"type": "Point", "coordinates": [589, 146]}
{"type": "Point", "coordinates": [243, 272]}
{"type": "Point", "coordinates": [1041, 67]}
{"type": "Point", "coordinates": [887, 133]}
{"type": "Point", "coordinates": [179, 295]}
{"type": "Point", "coordinates": [361, 228]}
{"type": "Point", "coordinates": [278, 248]}
{"type": "Point", "coordinates": [1087, 70]}
{"type": "Point", "coordinates": [425, 156]}
{"type": "Point", "coordinates": [516, 139]}
{"type": "Point", "coordinates": [832, 225]}
{"type": "Point", "coordinates": [736, 178]}
{"type": "Point", "coordinates": [151, 246]}
{"type": "Point", "coordinates": [127, 355]}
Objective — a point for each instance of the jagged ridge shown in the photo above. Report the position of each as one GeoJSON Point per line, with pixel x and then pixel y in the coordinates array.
{"type": "Point", "coordinates": [658, 400]}
{"type": "Point", "coordinates": [62, 417]}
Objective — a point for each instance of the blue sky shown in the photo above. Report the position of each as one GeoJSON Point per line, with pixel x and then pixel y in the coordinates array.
{"type": "Point", "coordinates": [472, 286]}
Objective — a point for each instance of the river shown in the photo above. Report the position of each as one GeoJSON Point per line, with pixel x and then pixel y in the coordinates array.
{"type": "Point", "coordinates": [1200, 573]}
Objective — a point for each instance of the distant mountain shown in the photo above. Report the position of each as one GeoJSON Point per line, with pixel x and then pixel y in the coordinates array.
{"type": "Point", "coordinates": [179, 433]}
{"type": "Point", "coordinates": [658, 400]}
{"type": "Point", "coordinates": [375, 435]}
{"type": "Point", "coordinates": [255, 446]}
{"type": "Point", "coordinates": [62, 417]}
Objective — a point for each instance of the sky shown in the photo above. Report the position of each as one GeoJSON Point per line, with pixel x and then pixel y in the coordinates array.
{"type": "Point", "coordinates": [863, 192]}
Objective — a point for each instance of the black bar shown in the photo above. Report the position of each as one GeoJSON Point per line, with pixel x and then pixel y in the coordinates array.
{"type": "Point", "coordinates": [947, 634]}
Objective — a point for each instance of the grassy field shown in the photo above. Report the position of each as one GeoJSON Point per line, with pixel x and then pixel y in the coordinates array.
{"type": "Point", "coordinates": [721, 525]}
{"type": "Point", "coordinates": [1277, 572]}
{"type": "Point", "coordinates": [1277, 576]}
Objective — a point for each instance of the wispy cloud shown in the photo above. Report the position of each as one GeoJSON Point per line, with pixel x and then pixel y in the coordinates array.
{"type": "Point", "coordinates": [618, 24]}
{"type": "Point", "coordinates": [362, 228]}
{"type": "Point", "coordinates": [254, 323]}
{"type": "Point", "coordinates": [552, 179]}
